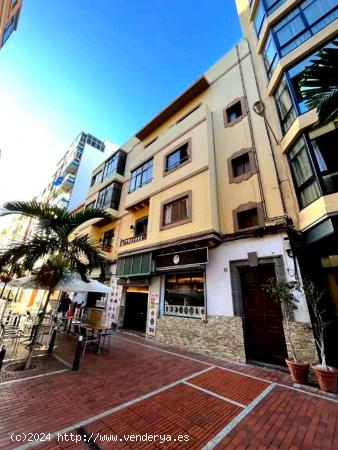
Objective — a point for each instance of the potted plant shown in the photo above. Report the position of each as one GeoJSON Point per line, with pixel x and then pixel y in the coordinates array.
{"type": "Point", "coordinates": [283, 292]}
{"type": "Point", "coordinates": [325, 375]}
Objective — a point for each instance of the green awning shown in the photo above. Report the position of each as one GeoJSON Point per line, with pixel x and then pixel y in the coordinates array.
{"type": "Point", "coordinates": [135, 265]}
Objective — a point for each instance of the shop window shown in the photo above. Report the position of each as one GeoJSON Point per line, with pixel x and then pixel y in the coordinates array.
{"type": "Point", "coordinates": [176, 211]}
{"type": "Point", "coordinates": [141, 226]}
{"type": "Point", "coordinates": [141, 176]}
{"type": "Point", "coordinates": [248, 216]}
{"type": "Point", "coordinates": [305, 181]}
{"type": "Point", "coordinates": [178, 157]}
{"type": "Point", "coordinates": [184, 294]}
{"type": "Point", "coordinates": [241, 166]}
{"type": "Point", "coordinates": [107, 241]}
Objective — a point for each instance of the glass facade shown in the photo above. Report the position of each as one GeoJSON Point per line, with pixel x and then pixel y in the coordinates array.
{"type": "Point", "coordinates": [314, 166]}
{"type": "Point", "coordinates": [300, 24]}
{"type": "Point", "coordinates": [109, 197]}
{"type": "Point", "coordinates": [141, 176]}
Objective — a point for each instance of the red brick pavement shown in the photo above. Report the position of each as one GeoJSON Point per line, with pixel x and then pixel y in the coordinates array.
{"type": "Point", "coordinates": [286, 418]}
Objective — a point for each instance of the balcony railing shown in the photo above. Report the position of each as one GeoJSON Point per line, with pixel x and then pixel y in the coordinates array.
{"type": "Point", "coordinates": [132, 240]}
{"type": "Point", "coordinates": [196, 312]}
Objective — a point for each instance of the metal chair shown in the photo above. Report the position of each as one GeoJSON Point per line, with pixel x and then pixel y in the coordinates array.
{"type": "Point", "coordinates": [87, 339]}
{"type": "Point", "coordinates": [110, 333]}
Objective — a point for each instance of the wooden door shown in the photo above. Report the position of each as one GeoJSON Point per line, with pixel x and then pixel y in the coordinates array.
{"type": "Point", "coordinates": [263, 321]}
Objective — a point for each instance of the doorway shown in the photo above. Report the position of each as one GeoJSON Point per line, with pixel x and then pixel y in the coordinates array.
{"type": "Point", "coordinates": [135, 314]}
{"type": "Point", "coordinates": [263, 320]}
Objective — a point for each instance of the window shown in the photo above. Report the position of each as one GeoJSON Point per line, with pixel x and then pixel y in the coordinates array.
{"type": "Point", "coordinates": [90, 205]}
{"type": "Point", "coordinates": [109, 197]}
{"type": "Point", "coordinates": [96, 178]}
{"type": "Point", "coordinates": [248, 219]}
{"type": "Point", "coordinates": [177, 157]}
{"type": "Point", "coordinates": [234, 112]}
{"type": "Point", "coordinates": [115, 164]}
{"type": "Point", "coordinates": [285, 107]}
{"type": "Point", "coordinates": [107, 241]}
{"type": "Point", "coordinates": [141, 176]}
{"type": "Point", "coordinates": [306, 185]}
{"type": "Point", "coordinates": [184, 294]}
{"type": "Point", "coordinates": [241, 165]}
{"type": "Point", "coordinates": [259, 18]}
{"type": "Point", "coordinates": [176, 211]}
{"type": "Point", "coordinates": [249, 215]}
{"type": "Point", "coordinates": [300, 24]}
{"type": "Point", "coordinates": [141, 226]}
{"type": "Point", "coordinates": [327, 160]}
{"type": "Point", "coordinates": [9, 28]}
{"type": "Point", "coordinates": [303, 22]}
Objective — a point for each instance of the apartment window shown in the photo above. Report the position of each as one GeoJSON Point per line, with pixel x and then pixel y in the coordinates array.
{"type": "Point", "coordinates": [109, 197]}
{"type": "Point", "coordinates": [327, 160]}
{"type": "Point", "coordinates": [9, 28]}
{"type": "Point", "coordinates": [303, 22]}
{"type": "Point", "coordinates": [141, 176]}
{"type": "Point", "coordinates": [241, 166]}
{"type": "Point", "coordinates": [234, 112]}
{"type": "Point", "coordinates": [270, 56]}
{"type": "Point", "coordinates": [259, 18]}
{"type": "Point", "coordinates": [13, 3]}
{"type": "Point", "coordinates": [176, 211]}
{"type": "Point", "coordinates": [306, 185]}
{"type": "Point", "coordinates": [115, 164]}
{"type": "Point", "coordinates": [184, 294]}
{"type": "Point", "coordinates": [141, 226]}
{"type": "Point", "coordinates": [90, 205]}
{"type": "Point", "coordinates": [107, 241]}
{"type": "Point", "coordinates": [178, 157]}
{"type": "Point", "coordinates": [247, 216]}
{"type": "Point", "coordinates": [285, 106]}
{"type": "Point", "coordinates": [97, 178]}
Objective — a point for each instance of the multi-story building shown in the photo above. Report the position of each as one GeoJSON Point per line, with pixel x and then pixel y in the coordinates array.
{"type": "Point", "coordinates": [71, 180]}
{"type": "Point", "coordinates": [285, 37]}
{"type": "Point", "coordinates": [9, 18]}
{"type": "Point", "coordinates": [200, 223]}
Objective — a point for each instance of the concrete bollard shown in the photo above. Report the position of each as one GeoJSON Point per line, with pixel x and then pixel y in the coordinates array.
{"type": "Point", "coordinates": [77, 357]}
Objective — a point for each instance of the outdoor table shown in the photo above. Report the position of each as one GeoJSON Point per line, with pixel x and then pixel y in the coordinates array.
{"type": "Point", "coordinates": [99, 329]}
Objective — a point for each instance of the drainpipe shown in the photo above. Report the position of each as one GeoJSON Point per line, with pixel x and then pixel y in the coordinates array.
{"type": "Point", "coordinates": [267, 218]}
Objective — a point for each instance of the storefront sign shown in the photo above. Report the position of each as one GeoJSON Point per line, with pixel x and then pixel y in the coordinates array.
{"type": "Point", "coordinates": [151, 328]}
{"type": "Point", "coordinates": [185, 258]}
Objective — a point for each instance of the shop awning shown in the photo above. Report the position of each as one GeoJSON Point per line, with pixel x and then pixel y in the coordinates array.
{"type": "Point", "coordinates": [134, 265]}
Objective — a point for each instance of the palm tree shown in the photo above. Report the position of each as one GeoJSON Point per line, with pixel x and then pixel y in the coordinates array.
{"type": "Point", "coordinates": [319, 84]}
{"type": "Point", "coordinates": [52, 251]}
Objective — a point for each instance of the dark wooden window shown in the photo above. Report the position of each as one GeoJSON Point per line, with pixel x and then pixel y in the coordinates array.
{"type": "Point", "coordinates": [241, 165]}
{"type": "Point", "coordinates": [107, 241]}
{"type": "Point", "coordinates": [141, 226]}
{"type": "Point", "coordinates": [175, 211]}
{"type": "Point", "coordinates": [234, 112]}
{"type": "Point", "coordinates": [248, 218]}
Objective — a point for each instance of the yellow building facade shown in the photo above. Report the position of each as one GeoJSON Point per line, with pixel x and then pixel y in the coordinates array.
{"type": "Point", "coordinates": [9, 18]}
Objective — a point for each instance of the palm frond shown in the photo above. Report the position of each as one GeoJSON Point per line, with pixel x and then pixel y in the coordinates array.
{"type": "Point", "coordinates": [319, 84]}
{"type": "Point", "coordinates": [84, 249]}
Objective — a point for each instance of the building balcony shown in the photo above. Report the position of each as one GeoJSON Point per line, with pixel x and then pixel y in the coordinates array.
{"type": "Point", "coordinates": [134, 239]}
{"type": "Point", "coordinates": [71, 166]}
{"type": "Point", "coordinates": [67, 183]}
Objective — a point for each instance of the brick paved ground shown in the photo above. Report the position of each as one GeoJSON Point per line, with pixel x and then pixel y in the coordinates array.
{"type": "Point", "coordinates": [139, 388]}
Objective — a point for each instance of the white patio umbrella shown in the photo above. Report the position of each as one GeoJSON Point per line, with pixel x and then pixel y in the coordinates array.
{"type": "Point", "coordinates": [73, 283]}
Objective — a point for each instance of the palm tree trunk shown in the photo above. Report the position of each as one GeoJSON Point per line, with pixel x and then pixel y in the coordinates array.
{"type": "Point", "coordinates": [3, 289]}
{"type": "Point", "coordinates": [37, 331]}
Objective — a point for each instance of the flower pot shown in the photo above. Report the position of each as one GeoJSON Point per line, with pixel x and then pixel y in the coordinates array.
{"type": "Point", "coordinates": [299, 371]}
{"type": "Point", "coordinates": [327, 379]}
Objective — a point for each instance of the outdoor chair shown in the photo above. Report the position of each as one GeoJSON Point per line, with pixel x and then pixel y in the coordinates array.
{"type": "Point", "coordinates": [110, 333]}
{"type": "Point", "coordinates": [11, 333]}
{"type": "Point", "coordinates": [88, 339]}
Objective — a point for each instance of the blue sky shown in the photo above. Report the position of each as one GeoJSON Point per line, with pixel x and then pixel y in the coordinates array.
{"type": "Point", "coordinates": [105, 67]}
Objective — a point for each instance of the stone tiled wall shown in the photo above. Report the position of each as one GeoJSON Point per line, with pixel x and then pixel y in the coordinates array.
{"type": "Point", "coordinates": [303, 341]}
{"type": "Point", "coordinates": [219, 336]}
